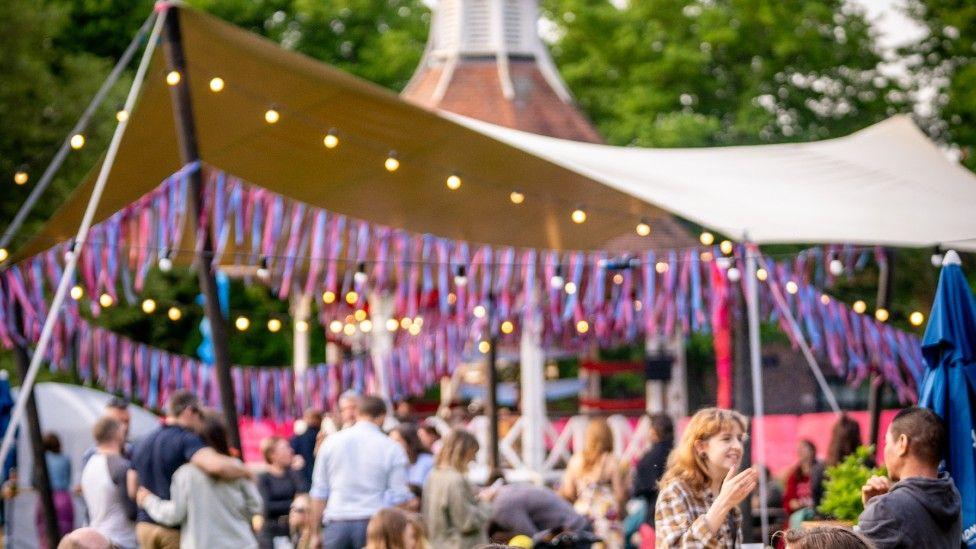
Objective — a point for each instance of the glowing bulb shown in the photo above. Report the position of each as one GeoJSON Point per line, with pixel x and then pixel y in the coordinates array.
{"type": "Point", "coordinates": [516, 197]}
{"type": "Point", "coordinates": [352, 298]}
{"type": "Point", "coordinates": [242, 323]}
{"type": "Point", "coordinates": [484, 347]}
{"type": "Point", "coordinates": [105, 300]}
{"type": "Point", "coordinates": [406, 323]}
{"type": "Point", "coordinates": [414, 329]}
{"type": "Point", "coordinates": [335, 326]}
{"type": "Point", "coordinates": [882, 315]}
{"type": "Point", "coordinates": [480, 311]}
{"type": "Point", "coordinates": [836, 267]}
{"type": "Point", "coordinates": [331, 140]}
{"type": "Point", "coordinates": [936, 259]}
{"type": "Point", "coordinates": [451, 298]}
{"type": "Point", "coordinates": [825, 299]}
{"type": "Point", "coordinates": [761, 274]}
{"type": "Point", "coordinates": [274, 324]}
{"type": "Point", "coordinates": [328, 297]}
{"type": "Point", "coordinates": [582, 327]}
{"type": "Point", "coordinates": [507, 327]}
{"type": "Point", "coordinates": [359, 315]}
{"type": "Point", "coordinates": [21, 177]}
{"type": "Point", "coordinates": [618, 279]}
{"type": "Point", "coordinates": [301, 326]}
{"type": "Point", "coordinates": [174, 314]}
{"type": "Point", "coordinates": [860, 306]}
{"type": "Point", "coordinates": [148, 306]}
{"type": "Point", "coordinates": [706, 238]}
{"type": "Point", "coordinates": [557, 282]}
{"type": "Point", "coordinates": [734, 274]}
{"type": "Point", "coordinates": [173, 78]}
{"type": "Point", "coordinates": [122, 115]}
{"type": "Point", "coordinates": [726, 247]}
{"type": "Point", "coordinates": [916, 318]}
{"type": "Point", "coordinates": [392, 324]}
{"type": "Point", "coordinates": [579, 215]}
{"type": "Point", "coordinates": [638, 305]}
{"type": "Point", "coordinates": [792, 287]}
{"type": "Point", "coordinates": [272, 116]}
{"type": "Point", "coordinates": [661, 267]}
{"type": "Point", "coordinates": [77, 292]}
{"type": "Point", "coordinates": [723, 262]}
{"type": "Point", "coordinates": [643, 228]}
{"type": "Point", "coordinates": [391, 163]}
{"type": "Point", "coordinates": [454, 182]}
{"type": "Point", "coordinates": [216, 84]}
{"type": "Point", "coordinates": [418, 320]}
{"type": "Point", "coordinates": [165, 264]}
{"type": "Point", "coordinates": [366, 326]}
{"type": "Point", "coordinates": [570, 288]}
{"type": "Point", "coordinates": [4, 254]}
{"type": "Point", "coordinates": [77, 141]}
{"type": "Point", "coordinates": [349, 329]}
{"type": "Point", "coordinates": [705, 256]}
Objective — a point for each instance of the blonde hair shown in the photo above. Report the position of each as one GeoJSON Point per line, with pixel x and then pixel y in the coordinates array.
{"type": "Point", "coordinates": [685, 463]}
{"type": "Point", "coordinates": [597, 441]}
{"type": "Point", "coordinates": [824, 536]}
{"type": "Point", "coordinates": [386, 529]}
{"type": "Point", "coordinates": [420, 528]}
{"type": "Point", "coordinates": [458, 449]}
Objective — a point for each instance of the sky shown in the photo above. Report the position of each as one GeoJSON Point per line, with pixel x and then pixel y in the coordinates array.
{"type": "Point", "coordinates": [887, 15]}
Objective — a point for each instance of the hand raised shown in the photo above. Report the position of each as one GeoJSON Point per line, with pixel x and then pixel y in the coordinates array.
{"type": "Point", "coordinates": [737, 486]}
{"type": "Point", "coordinates": [875, 486]}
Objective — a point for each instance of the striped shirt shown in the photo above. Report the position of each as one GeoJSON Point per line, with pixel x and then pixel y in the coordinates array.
{"type": "Point", "coordinates": [679, 520]}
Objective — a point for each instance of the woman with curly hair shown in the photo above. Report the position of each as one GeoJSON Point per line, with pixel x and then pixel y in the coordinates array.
{"type": "Point", "coordinates": [701, 489]}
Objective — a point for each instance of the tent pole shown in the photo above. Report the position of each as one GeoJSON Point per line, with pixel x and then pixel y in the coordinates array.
{"type": "Point", "coordinates": [79, 127]}
{"type": "Point", "coordinates": [759, 430]}
{"type": "Point", "coordinates": [494, 468]}
{"type": "Point", "coordinates": [41, 480]}
{"type": "Point", "coordinates": [742, 393]}
{"type": "Point", "coordinates": [189, 153]}
{"type": "Point", "coordinates": [81, 238]}
{"type": "Point", "coordinates": [876, 393]}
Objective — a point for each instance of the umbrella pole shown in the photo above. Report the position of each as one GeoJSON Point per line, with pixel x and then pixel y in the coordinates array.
{"type": "Point", "coordinates": [41, 479]}
{"type": "Point", "coordinates": [189, 153]}
{"type": "Point", "coordinates": [876, 393]}
{"type": "Point", "coordinates": [752, 301]}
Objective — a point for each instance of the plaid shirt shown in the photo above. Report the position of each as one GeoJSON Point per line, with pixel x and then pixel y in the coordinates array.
{"type": "Point", "coordinates": [679, 520]}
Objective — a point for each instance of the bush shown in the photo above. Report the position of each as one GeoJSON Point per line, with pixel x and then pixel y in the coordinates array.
{"type": "Point", "coordinates": [842, 488]}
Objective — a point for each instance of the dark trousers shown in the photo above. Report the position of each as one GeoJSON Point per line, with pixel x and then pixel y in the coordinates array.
{"type": "Point", "coordinates": [344, 534]}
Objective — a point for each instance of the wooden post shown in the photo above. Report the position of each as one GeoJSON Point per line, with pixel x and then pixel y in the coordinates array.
{"type": "Point", "coordinates": [189, 153]}
{"type": "Point", "coordinates": [494, 468]}
{"type": "Point", "coordinates": [40, 479]}
{"type": "Point", "coordinates": [876, 394]}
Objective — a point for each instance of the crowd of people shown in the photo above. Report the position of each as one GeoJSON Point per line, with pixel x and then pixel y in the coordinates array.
{"type": "Point", "coordinates": [370, 481]}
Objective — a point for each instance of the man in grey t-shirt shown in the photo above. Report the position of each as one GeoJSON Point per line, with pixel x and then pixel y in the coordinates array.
{"type": "Point", "coordinates": [527, 509]}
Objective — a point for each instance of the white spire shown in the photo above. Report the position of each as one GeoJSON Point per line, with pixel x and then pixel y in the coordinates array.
{"type": "Point", "coordinates": [490, 29]}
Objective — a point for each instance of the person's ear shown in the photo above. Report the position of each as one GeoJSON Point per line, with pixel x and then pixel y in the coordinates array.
{"type": "Point", "coordinates": [901, 445]}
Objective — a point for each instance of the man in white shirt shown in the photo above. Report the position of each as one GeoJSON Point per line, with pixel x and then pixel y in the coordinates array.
{"type": "Point", "coordinates": [103, 482]}
{"type": "Point", "coordinates": [358, 471]}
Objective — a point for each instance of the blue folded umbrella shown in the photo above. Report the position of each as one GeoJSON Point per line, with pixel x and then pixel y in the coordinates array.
{"type": "Point", "coordinates": [949, 386]}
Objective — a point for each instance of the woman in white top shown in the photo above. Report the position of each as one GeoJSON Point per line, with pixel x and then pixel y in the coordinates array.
{"type": "Point", "coordinates": [211, 513]}
{"type": "Point", "coordinates": [103, 484]}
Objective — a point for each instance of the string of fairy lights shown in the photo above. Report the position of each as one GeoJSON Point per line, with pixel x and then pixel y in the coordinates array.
{"type": "Point", "coordinates": [359, 321]}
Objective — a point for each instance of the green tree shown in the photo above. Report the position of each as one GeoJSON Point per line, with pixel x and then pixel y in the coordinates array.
{"type": "Point", "coordinates": [944, 65]}
{"type": "Point", "coordinates": [679, 73]}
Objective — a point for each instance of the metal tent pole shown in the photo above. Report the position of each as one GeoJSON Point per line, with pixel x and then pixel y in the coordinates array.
{"type": "Point", "coordinates": [876, 394]}
{"type": "Point", "coordinates": [752, 301]}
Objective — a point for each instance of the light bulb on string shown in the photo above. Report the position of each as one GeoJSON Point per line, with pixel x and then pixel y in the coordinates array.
{"type": "Point", "coordinates": [557, 281]}
{"type": "Point", "coordinates": [216, 84]}
{"type": "Point", "coordinates": [274, 325]}
{"type": "Point", "coordinates": [360, 277]}
{"type": "Point", "coordinates": [4, 254]}
{"type": "Point", "coordinates": [392, 325]}
{"type": "Point", "coordinates": [916, 318]}
{"type": "Point", "coordinates": [360, 315]}
{"type": "Point", "coordinates": [792, 287]}
{"type": "Point", "coordinates": [331, 139]}
{"type": "Point", "coordinates": [726, 246]}
{"type": "Point", "coordinates": [121, 115]}
{"type": "Point", "coordinates": [77, 292]}
{"type": "Point", "coordinates": [507, 327]}
{"type": "Point", "coordinates": [937, 258]}
{"type": "Point", "coordinates": [366, 326]}
{"type": "Point", "coordinates": [723, 262]}
{"type": "Point", "coordinates": [618, 279]}
{"type": "Point", "coordinates": [392, 163]}
{"type": "Point", "coordinates": [335, 326]}
{"type": "Point", "coordinates": [406, 322]}
{"type": "Point", "coordinates": [644, 227]}
{"type": "Point", "coordinates": [174, 313]}
{"type": "Point", "coordinates": [706, 238]}
{"type": "Point", "coordinates": [328, 297]}
{"type": "Point", "coordinates": [349, 329]}
{"type": "Point", "coordinates": [165, 263]}
{"type": "Point", "coordinates": [352, 297]}
{"type": "Point", "coordinates": [579, 215]}
{"type": "Point", "coordinates": [570, 288]}
{"type": "Point", "coordinates": [882, 314]}
{"type": "Point", "coordinates": [21, 177]}
{"type": "Point", "coordinates": [77, 141]}
{"type": "Point", "coordinates": [418, 321]}
{"type": "Point", "coordinates": [263, 273]}
{"type": "Point", "coordinates": [661, 267]}
{"type": "Point", "coordinates": [517, 197]}
{"type": "Point", "coordinates": [484, 347]}
{"type": "Point", "coordinates": [461, 277]}
{"type": "Point", "coordinates": [762, 274]}
{"type": "Point", "coordinates": [148, 306]}
{"type": "Point", "coordinates": [301, 326]}
{"type": "Point", "coordinates": [479, 311]}
{"type": "Point", "coordinates": [106, 300]}
{"type": "Point", "coordinates": [825, 299]}
{"type": "Point", "coordinates": [734, 274]}
{"type": "Point", "coordinates": [242, 323]}
{"type": "Point", "coordinates": [272, 116]}
{"type": "Point", "coordinates": [582, 327]}
{"type": "Point", "coordinates": [414, 329]}
{"type": "Point", "coordinates": [836, 267]}
{"type": "Point", "coordinates": [173, 78]}
{"type": "Point", "coordinates": [860, 306]}
{"type": "Point", "coordinates": [453, 182]}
